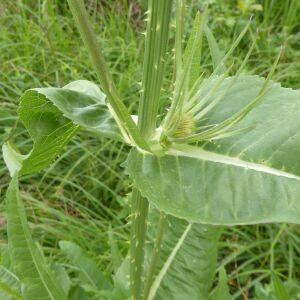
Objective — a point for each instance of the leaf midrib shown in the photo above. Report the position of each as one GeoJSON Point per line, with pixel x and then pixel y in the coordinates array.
{"type": "Point", "coordinates": [201, 154]}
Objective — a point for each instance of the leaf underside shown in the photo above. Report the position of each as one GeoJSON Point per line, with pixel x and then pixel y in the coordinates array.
{"type": "Point", "coordinates": [191, 271]}
{"type": "Point", "coordinates": [52, 116]}
{"type": "Point", "coordinates": [36, 279]}
{"type": "Point", "coordinates": [193, 268]}
{"type": "Point", "coordinates": [244, 179]}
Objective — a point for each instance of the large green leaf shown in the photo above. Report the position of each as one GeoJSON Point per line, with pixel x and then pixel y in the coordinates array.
{"type": "Point", "coordinates": [192, 269]}
{"type": "Point", "coordinates": [248, 178]}
{"type": "Point", "coordinates": [29, 265]}
{"type": "Point", "coordinates": [52, 116]}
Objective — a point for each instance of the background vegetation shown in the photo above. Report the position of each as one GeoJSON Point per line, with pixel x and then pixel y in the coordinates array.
{"type": "Point", "coordinates": [84, 196]}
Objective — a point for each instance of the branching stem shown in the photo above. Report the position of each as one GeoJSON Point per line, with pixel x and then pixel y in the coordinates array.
{"type": "Point", "coordinates": [155, 51]}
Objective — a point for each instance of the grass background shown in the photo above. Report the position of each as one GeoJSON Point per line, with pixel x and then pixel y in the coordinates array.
{"type": "Point", "coordinates": [83, 196]}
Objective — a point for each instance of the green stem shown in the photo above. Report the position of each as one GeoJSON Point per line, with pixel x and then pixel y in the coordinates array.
{"type": "Point", "coordinates": [155, 254]}
{"type": "Point", "coordinates": [137, 242]}
{"type": "Point", "coordinates": [155, 51]}
{"type": "Point", "coordinates": [118, 108]}
{"type": "Point", "coordinates": [156, 44]}
{"type": "Point", "coordinates": [154, 61]}
{"type": "Point", "coordinates": [180, 6]}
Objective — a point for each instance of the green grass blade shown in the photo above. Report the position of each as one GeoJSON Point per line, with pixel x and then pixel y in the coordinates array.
{"type": "Point", "coordinates": [28, 263]}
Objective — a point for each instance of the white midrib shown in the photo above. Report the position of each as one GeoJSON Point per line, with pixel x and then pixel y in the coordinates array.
{"type": "Point", "coordinates": [199, 153]}
{"type": "Point", "coordinates": [167, 264]}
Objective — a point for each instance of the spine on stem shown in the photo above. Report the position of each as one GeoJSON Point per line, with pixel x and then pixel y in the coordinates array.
{"type": "Point", "coordinates": [155, 51]}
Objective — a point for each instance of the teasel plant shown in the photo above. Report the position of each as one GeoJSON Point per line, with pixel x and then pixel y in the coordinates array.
{"type": "Point", "coordinates": [194, 98]}
{"type": "Point", "coordinates": [215, 160]}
